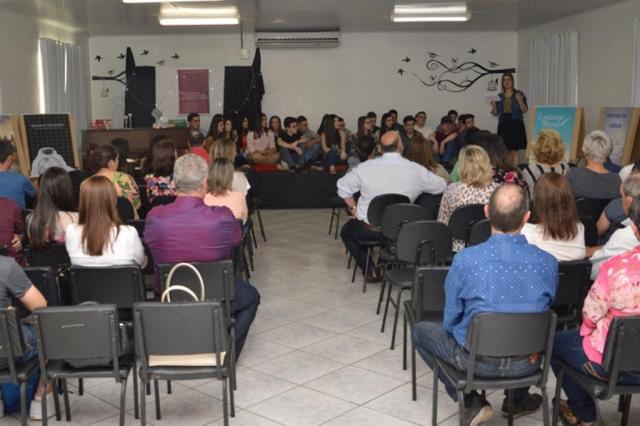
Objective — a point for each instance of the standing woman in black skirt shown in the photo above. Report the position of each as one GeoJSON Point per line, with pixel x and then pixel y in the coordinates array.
{"type": "Point", "coordinates": [510, 110]}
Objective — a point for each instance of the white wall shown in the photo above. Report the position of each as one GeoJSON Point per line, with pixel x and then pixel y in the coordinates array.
{"type": "Point", "coordinates": [605, 52]}
{"type": "Point", "coordinates": [19, 69]}
{"type": "Point", "coordinates": [358, 76]}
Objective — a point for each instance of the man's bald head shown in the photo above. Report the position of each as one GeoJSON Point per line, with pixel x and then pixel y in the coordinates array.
{"type": "Point", "coordinates": [508, 208]}
{"type": "Point", "coordinates": [390, 142]}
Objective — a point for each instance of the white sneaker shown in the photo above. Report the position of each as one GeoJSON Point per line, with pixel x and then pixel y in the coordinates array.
{"type": "Point", "coordinates": [35, 411]}
{"type": "Point", "coordinates": [283, 166]}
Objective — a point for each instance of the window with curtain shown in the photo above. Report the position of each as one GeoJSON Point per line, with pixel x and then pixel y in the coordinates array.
{"type": "Point", "coordinates": [635, 76]}
{"type": "Point", "coordinates": [64, 78]}
{"type": "Point", "coordinates": [553, 67]}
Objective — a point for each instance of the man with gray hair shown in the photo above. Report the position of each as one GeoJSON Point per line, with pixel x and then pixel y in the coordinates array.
{"type": "Point", "coordinates": [187, 230]}
{"type": "Point", "coordinates": [623, 239]}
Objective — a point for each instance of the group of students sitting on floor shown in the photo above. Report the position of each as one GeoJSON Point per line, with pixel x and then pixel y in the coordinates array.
{"type": "Point", "coordinates": [204, 223]}
{"type": "Point", "coordinates": [516, 270]}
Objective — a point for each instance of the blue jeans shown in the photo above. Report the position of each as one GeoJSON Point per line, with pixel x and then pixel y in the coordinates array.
{"type": "Point", "coordinates": [292, 158]}
{"type": "Point", "coordinates": [30, 347]}
{"type": "Point", "coordinates": [450, 152]}
{"type": "Point", "coordinates": [332, 157]}
{"type": "Point", "coordinates": [244, 309]}
{"type": "Point", "coordinates": [568, 348]}
{"type": "Point", "coordinates": [430, 340]}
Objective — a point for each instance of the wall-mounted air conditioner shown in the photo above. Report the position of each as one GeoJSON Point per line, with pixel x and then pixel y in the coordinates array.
{"type": "Point", "coordinates": [285, 40]}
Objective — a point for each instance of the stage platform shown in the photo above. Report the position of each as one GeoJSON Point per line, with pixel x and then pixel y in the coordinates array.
{"type": "Point", "coordinates": [300, 190]}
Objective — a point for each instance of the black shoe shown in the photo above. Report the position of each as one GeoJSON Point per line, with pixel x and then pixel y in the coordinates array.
{"type": "Point", "coordinates": [478, 412]}
{"type": "Point", "coordinates": [528, 405]}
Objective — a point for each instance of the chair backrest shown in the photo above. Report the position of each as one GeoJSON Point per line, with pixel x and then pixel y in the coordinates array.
{"type": "Point", "coordinates": [77, 332]}
{"type": "Point", "coordinates": [591, 207]}
{"type": "Point", "coordinates": [398, 214]}
{"type": "Point", "coordinates": [55, 255]}
{"type": "Point", "coordinates": [431, 203]}
{"type": "Point", "coordinates": [118, 285]}
{"type": "Point", "coordinates": [479, 233]}
{"type": "Point", "coordinates": [218, 280]}
{"type": "Point", "coordinates": [11, 345]}
{"type": "Point", "coordinates": [427, 293]}
{"type": "Point", "coordinates": [463, 218]}
{"type": "Point", "coordinates": [425, 242]}
{"type": "Point", "coordinates": [590, 231]}
{"type": "Point", "coordinates": [139, 225]}
{"type": "Point", "coordinates": [166, 329]}
{"type": "Point", "coordinates": [44, 279]}
{"type": "Point", "coordinates": [125, 209]}
{"type": "Point", "coordinates": [381, 202]}
{"type": "Point", "coordinates": [573, 284]}
{"type": "Point", "coordinates": [621, 348]}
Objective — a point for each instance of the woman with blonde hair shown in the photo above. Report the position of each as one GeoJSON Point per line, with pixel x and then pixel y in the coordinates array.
{"type": "Point", "coordinates": [549, 154]}
{"type": "Point", "coordinates": [475, 186]}
{"type": "Point", "coordinates": [226, 148]}
{"type": "Point", "coordinates": [99, 238]}
{"type": "Point", "coordinates": [220, 192]}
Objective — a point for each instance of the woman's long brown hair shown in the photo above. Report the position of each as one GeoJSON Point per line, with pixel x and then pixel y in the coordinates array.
{"type": "Point", "coordinates": [555, 207]}
{"type": "Point", "coordinates": [421, 152]}
{"type": "Point", "coordinates": [98, 213]}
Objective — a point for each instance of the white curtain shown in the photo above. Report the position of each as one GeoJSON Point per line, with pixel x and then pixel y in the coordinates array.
{"type": "Point", "coordinates": [64, 78]}
{"type": "Point", "coordinates": [635, 82]}
{"type": "Point", "coordinates": [553, 66]}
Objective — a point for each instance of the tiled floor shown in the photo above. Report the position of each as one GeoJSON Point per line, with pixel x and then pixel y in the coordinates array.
{"type": "Point", "coordinates": [315, 354]}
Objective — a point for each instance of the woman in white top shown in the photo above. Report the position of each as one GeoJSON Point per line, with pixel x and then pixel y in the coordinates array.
{"type": "Point", "coordinates": [558, 230]}
{"type": "Point", "coordinates": [99, 238]}
{"type": "Point", "coordinates": [226, 148]}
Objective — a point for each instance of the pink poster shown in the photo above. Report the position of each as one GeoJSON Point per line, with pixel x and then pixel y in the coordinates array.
{"type": "Point", "coordinates": [193, 89]}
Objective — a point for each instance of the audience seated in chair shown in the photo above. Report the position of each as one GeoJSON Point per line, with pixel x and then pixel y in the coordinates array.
{"type": "Point", "coordinates": [594, 180]}
{"type": "Point", "coordinates": [614, 293]}
{"type": "Point", "coordinates": [293, 151]}
{"type": "Point", "coordinates": [104, 161]}
{"type": "Point", "coordinates": [613, 214]}
{"type": "Point", "coordinates": [99, 238]}
{"type": "Point", "coordinates": [220, 194]}
{"type": "Point", "coordinates": [215, 133]}
{"type": "Point", "coordinates": [371, 178]}
{"type": "Point", "coordinates": [504, 171]}
{"type": "Point", "coordinates": [195, 142]}
{"type": "Point", "coordinates": [225, 148]}
{"type": "Point", "coordinates": [420, 152]}
{"type": "Point", "coordinates": [446, 147]}
{"type": "Point", "coordinates": [333, 142]}
{"type": "Point", "coordinates": [623, 239]}
{"type": "Point", "coordinates": [504, 274]}
{"type": "Point", "coordinates": [159, 179]}
{"type": "Point", "coordinates": [14, 283]}
{"type": "Point", "coordinates": [11, 229]}
{"type": "Point", "coordinates": [557, 230]}
{"type": "Point", "coordinates": [475, 187]}
{"type": "Point", "coordinates": [549, 158]}
{"type": "Point", "coordinates": [421, 125]}
{"type": "Point", "coordinates": [310, 139]}
{"type": "Point", "coordinates": [190, 231]}
{"type": "Point", "coordinates": [13, 184]}
{"type": "Point", "coordinates": [261, 145]}
{"type": "Point", "coordinates": [122, 146]}
{"type": "Point", "coordinates": [55, 210]}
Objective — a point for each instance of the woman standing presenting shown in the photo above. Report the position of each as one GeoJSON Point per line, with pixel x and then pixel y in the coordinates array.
{"type": "Point", "coordinates": [509, 110]}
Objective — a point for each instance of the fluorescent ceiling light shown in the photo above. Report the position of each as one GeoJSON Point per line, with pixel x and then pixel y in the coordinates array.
{"type": "Point", "coordinates": [442, 18]}
{"type": "Point", "coordinates": [430, 8]}
{"type": "Point", "coordinates": [164, 1]}
{"type": "Point", "coordinates": [175, 11]}
{"type": "Point", "coordinates": [200, 21]}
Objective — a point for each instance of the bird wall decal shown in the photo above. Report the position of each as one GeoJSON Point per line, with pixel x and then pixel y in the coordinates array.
{"type": "Point", "coordinates": [98, 58]}
{"type": "Point", "coordinates": [400, 71]}
{"type": "Point", "coordinates": [110, 72]}
{"type": "Point", "coordinates": [472, 51]}
{"type": "Point", "coordinates": [145, 52]}
{"type": "Point", "coordinates": [432, 55]}
{"type": "Point", "coordinates": [406, 59]}
{"type": "Point", "coordinates": [493, 64]}
{"type": "Point", "coordinates": [175, 56]}
{"type": "Point", "coordinates": [160, 62]}
{"type": "Point", "coordinates": [121, 56]}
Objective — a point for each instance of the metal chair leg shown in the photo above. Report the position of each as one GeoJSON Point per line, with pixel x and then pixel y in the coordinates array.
{"type": "Point", "coordinates": [56, 399]}
{"type": "Point", "coordinates": [556, 405]}
{"type": "Point", "coordinates": [510, 407]}
{"type": "Point", "coordinates": [460, 405]}
{"type": "Point", "coordinates": [264, 237]}
{"type": "Point", "coordinates": [43, 404]}
{"type": "Point", "coordinates": [414, 379]}
{"type": "Point", "coordinates": [80, 386]}
{"type": "Point", "coordinates": [123, 400]}
{"type": "Point", "coordinates": [366, 271]}
{"type": "Point", "coordinates": [23, 403]}
{"type": "Point", "coordinates": [67, 406]}
{"type": "Point", "coordinates": [335, 237]}
{"type": "Point", "coordinates": [355, 269]}
{"type": "Point", "coordinates": [333, 213]}
{"type": "Point", "coordinates": [225, 407]}
{"type": "Point", "coordinates": [136, 397]}
{"type": "Point", "coordinates": [143, 404]}
{"type": "Point", "coordinates": [386, 308]}
{"type": "Point", "coordinates": [545, 406]}
{"type": "Point", "coordinates": [382, 287]}
{"type": "Point", "coordinates": [169, 387]}
{"type": "Point", "coordinates": [395, 318]}
{"type": "Point", "coordinates": [434, 404]}
{"type": "Point", "coordinates": [157, 398]}
{"type": "Point", "coordinates": [232, 403]}
{"type": "Point", "coordinates": [253, 236]}
{"type": "Point", "coordinates": [625, 410]}
{"type": "Point", "coordinates": [404, 342]}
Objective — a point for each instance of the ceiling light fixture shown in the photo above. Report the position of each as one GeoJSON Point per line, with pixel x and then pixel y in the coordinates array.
{"type": "Point", "coordinates": [199, 21]}
{"type": "Point", "coordinates": [441, 18]}
{"type": "Point", "coordinates": [192, 12]}
{"type": "Point", "coordinates": [165, 1]}
{"type": "Point", "coordinates": [430, 8]}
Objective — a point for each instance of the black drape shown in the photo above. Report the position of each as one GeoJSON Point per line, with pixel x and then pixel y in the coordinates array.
{"type": "Point", "coordinates": [140, 96]}
{"type": "Point", "coordinates": [243, 91]}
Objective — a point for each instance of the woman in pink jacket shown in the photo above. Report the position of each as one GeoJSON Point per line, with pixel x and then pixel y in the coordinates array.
{"type": "Point", "coordinates": [615, 293]}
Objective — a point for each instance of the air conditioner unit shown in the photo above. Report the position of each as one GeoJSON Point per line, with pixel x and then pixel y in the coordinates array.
{"type": "Point", "coordinates": [284, 40]}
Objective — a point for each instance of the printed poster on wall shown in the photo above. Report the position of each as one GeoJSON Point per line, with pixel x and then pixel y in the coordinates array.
{"type": "Point", "coordinates": [616, 124]}
{"type": "Point", "coordinates": [560, 119]}
{"type": "Point", "coordinates": [193, 91]}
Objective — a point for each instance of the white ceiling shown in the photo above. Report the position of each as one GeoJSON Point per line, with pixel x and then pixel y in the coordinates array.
{"type": "Point", "coordinates": [103, 17]}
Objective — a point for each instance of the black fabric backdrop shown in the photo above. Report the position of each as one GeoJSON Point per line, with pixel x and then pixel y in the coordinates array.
{"type": "Point", "coordinates": [243, 91]}
{"type": "Point", "coordinates": [140, 98]}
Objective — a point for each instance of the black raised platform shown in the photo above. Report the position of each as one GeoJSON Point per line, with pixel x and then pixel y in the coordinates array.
{"type": "Point", "coordinates": [301, 190]}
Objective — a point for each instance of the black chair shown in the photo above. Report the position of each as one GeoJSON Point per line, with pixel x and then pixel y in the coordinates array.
{"type": "Point", "coordinates": [374, 216]}
{"type": "Point", "coordinates": [393, 218]}
{"type": "Point", "coordinates": [253, 205]}
{"type": "Point", "coordinates": [421, 243]}
{"type": "Point", "coordinates": [182, 341]}
{"type": "Point", "coordinates": [591, 207]}
{"type": "Point", "coordinates": [162, 200]}
{"type": "Point", "coordinates": [573, 286]}
{"type": "Point", "coordinates": [125, 209]}
{"type": "Point", "coordinates": [463, 218]}
{"type": "Point", "coordinates": [431, 203]}
{"type": "Point", "coordinates": [590, 231]}
{"type": "Point", "coordinates": [501, 335]}
{"type": "Point", "coordinates": [479, 233]}
{"type": "Point", "coordinates": [72, 333]}
{"type": "Point", "coordinates": [337, 204]}
{"type": "Point", "coordinates": [426, 304]}
{"type": "Point", "coordinates": [11, 348]}
{"type": "Point", "coordinates": [620, 356]}
{"type": "Point", "coordinates": [55, 256]}
{"type": "Point", "coordinates": [44, 279]}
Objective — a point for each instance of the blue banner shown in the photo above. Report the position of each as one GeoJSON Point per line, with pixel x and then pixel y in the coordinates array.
{"type": "Point", "coordinates": [560, 119]}
{"type": "Point", "coordinates": [615, 123]}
